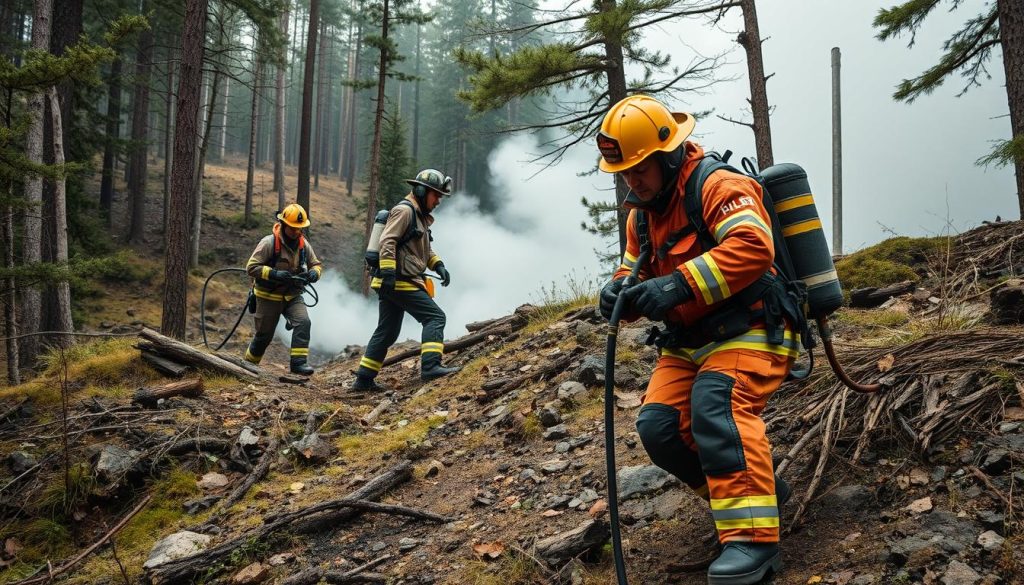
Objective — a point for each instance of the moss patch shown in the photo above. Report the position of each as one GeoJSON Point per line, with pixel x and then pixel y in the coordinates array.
{"type": "Point", "coordinates": [888, 262]}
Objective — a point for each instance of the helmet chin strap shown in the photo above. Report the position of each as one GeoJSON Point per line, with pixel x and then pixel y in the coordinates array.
{"type": "Point", "coordinates": [670, 164]}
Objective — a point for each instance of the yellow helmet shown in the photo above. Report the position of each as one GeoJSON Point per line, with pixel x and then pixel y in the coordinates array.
{"type": "Point", "coordinates": [294, 215]}
{"type": "Point", "coordinates": [636, 127]}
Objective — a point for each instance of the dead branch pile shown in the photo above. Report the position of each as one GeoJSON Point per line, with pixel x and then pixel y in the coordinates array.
{"type": "Point", "coordinates": [938, 387]}
{"type": "Point", "coordinates": [992, 250]}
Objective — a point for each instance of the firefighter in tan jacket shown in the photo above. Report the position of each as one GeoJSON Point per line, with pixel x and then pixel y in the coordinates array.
{"type": "Point", "coordinates": [405, 254]}
{"type": "Point", "coordinates": [281, 265]}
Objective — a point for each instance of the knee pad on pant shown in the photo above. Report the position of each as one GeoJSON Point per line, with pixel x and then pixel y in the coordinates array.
{"type": "Point", "coordinates": [714, 429]}
{"type": "Point", "coordinates": [658, 426]}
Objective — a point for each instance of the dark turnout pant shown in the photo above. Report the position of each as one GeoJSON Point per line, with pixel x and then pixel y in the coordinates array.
{"type": "Point", "coordinates": [267, 315]}
{"type": "Point", "coordinates": [393, 307]}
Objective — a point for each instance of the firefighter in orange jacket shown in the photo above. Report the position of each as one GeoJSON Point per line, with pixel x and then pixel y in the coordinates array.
{"type": "Point", "coordinates": [700, 419]}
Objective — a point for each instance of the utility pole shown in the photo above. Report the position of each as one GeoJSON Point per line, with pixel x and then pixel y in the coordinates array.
{"type": "Point", "coordinates": [837, 160]}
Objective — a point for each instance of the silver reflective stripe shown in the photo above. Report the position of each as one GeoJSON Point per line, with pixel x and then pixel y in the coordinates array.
{"type": "Point", "coordinates": [709, 279]}
{"type": "Point", "coordinates": [822, 278]}
{"type": "Point", "coordinates": [746, 513]}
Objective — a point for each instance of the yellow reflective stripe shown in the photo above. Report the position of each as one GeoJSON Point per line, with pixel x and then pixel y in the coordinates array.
{"type": "Point", "coordinates": [745, 217]}
{"type": "Point", "coordinates": [788, 204]}
{"type": "Point", "coordinates": [370, 364]}
{"type": "Point", "coordinates": [801, 227]}
{"type": "Point", "coordinates": [386, 263]}
{"type": "Point", "coordinates": [319, 269]}
{"type": "Point", "coordinates": [265, 273]}
{"type": "Point", "coordinates": [262, 294]}
{"type": "Point", "coordinates": [699, 279]}
{"type": "Point", "coordinates": [249, 357]}
{"type": "Point", "coordinates": [432, 347]}
{"type": "Point", "coordinates": [743, 502]}
{"type": "Point", "coordinates": [433, 260]}
{"type": "Point", "coordinates": [406, 286]}
{"type": "Point", "coordinates": [628, 260]}
{"type": "Point", "coordinates": [300, 351]}
{"type": "Point", "coordinates": [822, 278]}
{"type": "Point", "coordinates": [755, 339]}
{"type": "Point", "coordinates": [747, 523]}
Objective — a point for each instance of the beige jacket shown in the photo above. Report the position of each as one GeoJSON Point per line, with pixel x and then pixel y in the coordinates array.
{"type": "Point", "coordinates": [260, 265]}
{"type": "Point", "coordinates": [413, 258]}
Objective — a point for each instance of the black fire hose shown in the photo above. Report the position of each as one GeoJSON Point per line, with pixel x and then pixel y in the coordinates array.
{"type": "Point", "coordinates": [609, 419]}
{"type": "Point", "coordinates": [306, 289]}
{"type": "Point", "coordinates": [830, 353]}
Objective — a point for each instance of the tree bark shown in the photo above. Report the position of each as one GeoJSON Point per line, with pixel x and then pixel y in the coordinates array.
{"type": "Point", "coordinates": [416, 101]}
{"type": "Point", "coordinates": [113, 135]}
{"type": "Point", "coordinates": [320, 77]}
{"type": "Point", "coordinates": [168, 135]}
{"type": "Point", "coordinates": [350, 157]}
{"type": "Point", "coordinates": [149, 395]}
{"type": "Point", "coordinates": [175, 306]}
{"type": "Point", "coordinates": [328, 117]}
{"type": "Point", "coordinates": [250, 173]}
{"type": "Point", "coordinates": [307, 104]}
{"type": "Point", "coordinates": [1011, 34]}
{"type": "Point", "coordinates": [223, 146]}
{"type": "Point", "coordinates": [184, 353]}
{"type": "Point", "coordinates": [42, 13]}
{"type": "Point", "coordinates": [279, 128]}
{"type": "Point", "coordinates": [750, 39]}
{"type": "Point", "coordinates": [197, 186]}
{"type": "Point", "coordinates": [378, 119]}
{"type": "Point", "coordinates": [10, 312]}
{"type": "Point", "coordinates": [61, 320]}
{"type": "Point", "coordinates": [347, 94]}
{"type": "Point", "coordinates": [616, 91]}
{"type": "Point", "coordinates": [140, 135]}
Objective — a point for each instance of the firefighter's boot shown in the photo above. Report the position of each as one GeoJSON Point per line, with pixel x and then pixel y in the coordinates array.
{"type": "Point", "coordinates": [436, 371]}
{"type": "Point", "coordinates": [300, 367]}
{"type": "Point", "coordinates": [744, 563]}
{"type": "Point", "coordinates": [366, 383]}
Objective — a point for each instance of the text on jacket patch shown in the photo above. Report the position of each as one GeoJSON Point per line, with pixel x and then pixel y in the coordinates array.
{"type": "Point", "coordinates": [744, 201]}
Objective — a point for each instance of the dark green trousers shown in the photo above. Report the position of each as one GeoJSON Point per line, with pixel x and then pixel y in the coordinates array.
{"type": "Point", "coordinates": [268, 313]}
{"type": "Point", "coordinates": [393, 306]}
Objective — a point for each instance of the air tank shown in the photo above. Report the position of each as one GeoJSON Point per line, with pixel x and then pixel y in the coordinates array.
{"type": "Point", "coordinates": [801, 230]}
{"type": "Point", "coordinates": [373, 246]}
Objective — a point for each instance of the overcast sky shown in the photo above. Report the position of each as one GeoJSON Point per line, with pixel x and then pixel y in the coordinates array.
{"type": "Point", "coordinates": [902, 162]}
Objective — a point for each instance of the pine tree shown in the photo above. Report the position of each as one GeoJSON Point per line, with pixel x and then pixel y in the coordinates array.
{"type": "Point", "coordinates": [395, 164]}
{"type": "Point", "coordinates": [967, 52]}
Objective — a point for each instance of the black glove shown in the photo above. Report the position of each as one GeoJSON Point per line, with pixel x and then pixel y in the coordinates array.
{"type": "Point", "coordinates": [387, 279]}
{"type": "Point", "coordinates": [312, 276]}
{"type": "Point", "coordinates": [654, 297]}
{"type": "Point", "coordinates": [280, 275]}
{"type": "Point", "coordinates": [446, 277]}
{"type": "Point", "coordinates": [609, 293]}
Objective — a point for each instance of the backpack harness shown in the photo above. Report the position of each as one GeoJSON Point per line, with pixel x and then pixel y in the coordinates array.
{"type": "Point", "coordinates": [411, 232]}
{"type": "Point", "coordinates": [784, 297]}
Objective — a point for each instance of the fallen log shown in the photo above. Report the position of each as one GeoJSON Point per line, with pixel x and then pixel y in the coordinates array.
{"type": "Point", "coordinates": [560, 548]}
{"type": "Point", "coordinates": [163, 365]}
{"type": "Point", "coordinates": [500, 386]}
{"type": "Point", "coordinates": [258, 473]}
{"type": "Point", "coordinates": [239, 362]}
{"type": "Point", "coordinates": [455, 345]}
{"type": "Point", "coordinates": [325, 514]}
{"type": "Point", "coordinates": [868, 297]}
{"type": "Point", "coordinates": [148, 396]}
{"type": "Point", "coordinates": [371, 416]}
{"type": "Point", "coordinates": [184, 353]}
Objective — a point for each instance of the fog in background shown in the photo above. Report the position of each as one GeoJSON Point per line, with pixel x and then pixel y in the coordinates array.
{"type": "Point", "coordinates": [497, 262]}
{"type": "Point", "coordinates": [908, 168]}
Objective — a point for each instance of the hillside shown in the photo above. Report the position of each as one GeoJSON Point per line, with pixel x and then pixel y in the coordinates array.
{"type": "Point", "coordinates": [916, 484]}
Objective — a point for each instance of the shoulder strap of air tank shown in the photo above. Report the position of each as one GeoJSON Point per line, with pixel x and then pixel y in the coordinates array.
{"type": "Point", "coordinates": [412, 225]}
{"type": "Point", "coordinates": [693, 199]}
{"type": "Point", "coordinates": [643, 232]}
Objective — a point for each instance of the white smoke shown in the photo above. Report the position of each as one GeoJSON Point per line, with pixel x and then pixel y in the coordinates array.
{"type": "Point", "coordinates": [498, 261]}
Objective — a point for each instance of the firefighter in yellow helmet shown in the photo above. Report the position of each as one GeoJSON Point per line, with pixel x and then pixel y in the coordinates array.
{"type": "Point", "coordinates": [724, 353]}
{"type": "Point", "coordinates": [281, 265]}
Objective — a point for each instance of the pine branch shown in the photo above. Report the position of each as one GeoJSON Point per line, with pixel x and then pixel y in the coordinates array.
{"type": "Point", "coordinates": [906, 17]}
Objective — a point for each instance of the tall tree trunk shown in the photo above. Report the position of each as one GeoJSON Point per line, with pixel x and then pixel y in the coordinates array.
{"type": "Point", "coordinates": [378, 119]}
{"type": "Point", "coordinates": [750, 39]}
{"type": "Point", "coordinates": [350, 97]}
{"type": "Point", "coordinates": [62, 314]}
{"type": "Point", "coordinates": [416, 101]}
{"type": "Point", "coordinates": [113, 135]}
{"type": "Point", "coordinates": [250, 173]}
{"type": "Point", "coordinates": [42, 13]}
{"type": "Point", "coordinates": [328, 133]}
{"type": "Point", "coordinates": [223, 146]}
{"type": "Point", "coordinates": [204, 145]}
{"type": "Point", "coordinates": [140, 135]}
{"type": "Point", "coordinates": [169, 134]}
{"type": "Point", "coordinates": [10, 301]}
{"type": "Point", "coordinates": [616, 91]}
{"type": "Point", "coordinates": [1011, 33]}
{"type": "Point", "coordinates": [307, 104]}
{"type": "Point", "coordinates": [320, 78]}
{"type": "Point", "coordinates": [279, 117]}
{"type": "Point", "coordinates": [293, 139]}
{"type": "Point", "coordinates": [175, 306]}
{"type": "Point", "coordinates": [353, 135]}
